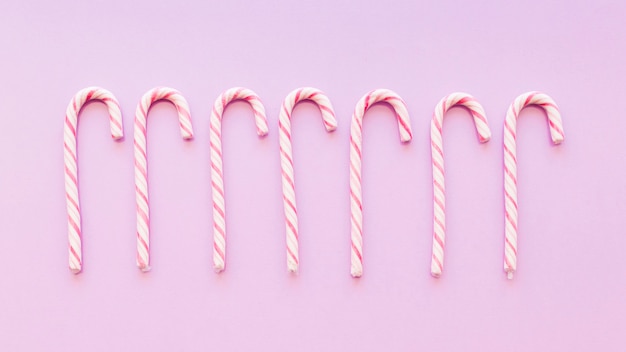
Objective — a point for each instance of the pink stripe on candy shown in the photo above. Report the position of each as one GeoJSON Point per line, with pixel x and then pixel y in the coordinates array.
{"type": "Point", "coordinates": [439, 199]}
{"type": "Point", "coordinates": [356, 140]}
{"type": "Point", "coordinates": [510, 166]}
{"type": "Point", "coordinates": [71, 169]}
{"type": "Point", "coordinates": [286, 161]}
{"type": "Point", "coordinates": [141, 163]}
{"type": "Point", "coordinates": [217, 173]}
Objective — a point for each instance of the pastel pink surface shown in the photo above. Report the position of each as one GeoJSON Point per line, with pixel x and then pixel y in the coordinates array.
{"type": "Point", "coordinates": [569, 287]}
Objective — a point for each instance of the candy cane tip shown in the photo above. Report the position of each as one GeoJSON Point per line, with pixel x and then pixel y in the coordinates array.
{"type": "Point", "coordinates": [292, 267]}
{"type": "Point", "coordinates": [218, 268]}
{"type": "Point", "coordinates": [406, 139]}
{"type": "Point", "coordinates": [557, 140]}
{"type": "Point", "coordinates": [75, 270]}
{"type": "Point", "coordinates": [356, 273]}
{"type": "Point", "coordinates": [435, 274]}
{"type": "Point", "coordinates": [143, 267]}
{"type": "Point", "coordinates": [509, 275]}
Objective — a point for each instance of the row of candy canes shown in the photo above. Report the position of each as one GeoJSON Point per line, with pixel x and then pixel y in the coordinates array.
{"type": "Point", "coordinates": [288, 182]}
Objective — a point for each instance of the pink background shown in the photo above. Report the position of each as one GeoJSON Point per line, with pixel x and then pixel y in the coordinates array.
{"type": "Point", "coordinates": [568, 293]}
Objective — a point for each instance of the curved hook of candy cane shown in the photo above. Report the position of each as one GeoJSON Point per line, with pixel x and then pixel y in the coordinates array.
{"type": "Point", "coordinates": [217, 174]}
{"type": "Point", "coordinates": [436, 142]}
{"type": "Point", "coordinates": [510, 165]}
{"type": "Point", "coordinates": [286, 161]}
{"type": "Point", "coordinates": [141, 165]}
{"type": "Point", "coordinates": [71, 169]}
{"type": "Point", "coordinates": [356, 205]}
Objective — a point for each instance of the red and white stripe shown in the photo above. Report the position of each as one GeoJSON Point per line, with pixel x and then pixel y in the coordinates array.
{"type": "Point", "coordinates": [217, 173]}
{"type": "Point", "coordinates": [356, 204]}
{"type": "Point", "coordinates": [510, 166]}
{"type": "Point", "coordinates": [71, 169]}
{"type": "Point", "coordinates": [141, 165]}
{"type": "Point", "coordinates": [436, 143]}
{"type": "Point", "coordinates": [286, 161]}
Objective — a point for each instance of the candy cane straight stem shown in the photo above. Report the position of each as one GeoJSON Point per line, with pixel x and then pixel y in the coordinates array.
{"type": "Point", "coordinates": [436, 143]}
{"type": "Point", "coordinates": [510, 166]}
{"type": "Point", "coordinates": [356, 204]}
{"type": "Point", "coordinates": [141, 164]}
{"type": "Point", "coordinates": [286, 161]}
{"type": "Point", "coordinates": [71, 169]}
{"type": "Point", "coordinates": [217, 173]}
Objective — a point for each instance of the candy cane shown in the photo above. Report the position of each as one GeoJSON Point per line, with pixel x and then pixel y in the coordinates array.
{"type": "Point", "coordinates": [141, 165]}
{"type": "Point", "coordinates": [356, 205]}
{"type": "Point", "coordinates": [217, 174]}
{"type": "Point", "coordinates": [71, 169]}
{"type": "Point", "coordinates": [484, 134]}
{"type": "Point", "coordinates": [286, 161]}
{"type": "Point", "coordinates": [510, 166]}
